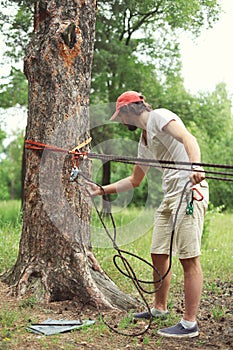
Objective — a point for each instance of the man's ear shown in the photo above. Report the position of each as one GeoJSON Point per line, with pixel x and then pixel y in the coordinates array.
{"type": "Point", "coordinates": [131, 127]}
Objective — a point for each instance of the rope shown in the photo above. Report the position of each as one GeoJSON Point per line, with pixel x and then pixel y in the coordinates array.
{"type": "Point", "coordinates": [130, 273]}
{"type": "Point", "coordinates": [166, 164]}
{"type": "Point", "coordinates": [156, 163]}
{"type": "Point", "coordinates": [30, 144]}
{"type": "Point", "coordinates": [116, 158]}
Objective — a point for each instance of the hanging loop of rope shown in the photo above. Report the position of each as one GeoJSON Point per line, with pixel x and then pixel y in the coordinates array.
{"type": "Point", "coordinates": [129, 271]}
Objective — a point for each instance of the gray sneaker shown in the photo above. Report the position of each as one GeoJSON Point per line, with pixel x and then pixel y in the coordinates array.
{"type": "Point", "coordinates": [178, 331]}
{"type": "Point", "coordinates": [147, 315]}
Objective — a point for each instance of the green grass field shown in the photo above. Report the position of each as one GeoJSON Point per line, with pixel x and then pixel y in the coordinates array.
{"type": "Point", "coordinates": [10, 232]}
{"type": "Point", "coordinates": [217, 250]}
{"type": "Point", "coordinates": [216, 259]}
{"type": "Point", "coordinates": [217, 256]}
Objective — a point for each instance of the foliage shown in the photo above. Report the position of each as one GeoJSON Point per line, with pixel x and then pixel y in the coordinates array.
{"type": "Point", "coordinates": [135, 31]}
{"type": "Point", "coordinates": [16, 25]}
{"type": "Point", "coordinates": [15, 90]}
{"type": "Point", "coordinates": [213, 126]}
{"type": "Point", "coordinates": [136, 48]}
{"type": "Point", "coordinates": [2, 137]}
{"type": "Point", "coordinates": [10, 168]}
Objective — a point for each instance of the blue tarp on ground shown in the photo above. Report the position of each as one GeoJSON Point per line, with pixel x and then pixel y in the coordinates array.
{"type": "Point", "coordinates": [50, 326]}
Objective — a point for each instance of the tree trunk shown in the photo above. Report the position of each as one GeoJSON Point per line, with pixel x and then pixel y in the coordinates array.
{"type": "Point", "coordinates": [106, 204]}
{"type": "Point", "coordinates": [12, 189]}
{"type": "Point", "coordinates": [55, 259]}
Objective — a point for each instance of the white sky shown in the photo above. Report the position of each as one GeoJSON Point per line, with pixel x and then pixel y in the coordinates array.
{"type": "Point", "coordinates": [206, 62]}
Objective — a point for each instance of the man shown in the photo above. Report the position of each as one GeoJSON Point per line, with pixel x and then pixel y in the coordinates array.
{"type": "Point", "coordinates": [164, 137]}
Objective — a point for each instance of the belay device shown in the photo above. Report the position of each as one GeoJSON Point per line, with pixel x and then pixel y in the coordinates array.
{"type": "Point", "coordinates": [199, 198]}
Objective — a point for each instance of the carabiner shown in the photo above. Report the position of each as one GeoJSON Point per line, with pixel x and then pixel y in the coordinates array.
{"type": "Point", "coordinates": [200, 196]}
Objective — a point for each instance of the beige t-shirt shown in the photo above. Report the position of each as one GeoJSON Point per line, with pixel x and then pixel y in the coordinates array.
{"type": "Point", "coordinates": [162, 146]}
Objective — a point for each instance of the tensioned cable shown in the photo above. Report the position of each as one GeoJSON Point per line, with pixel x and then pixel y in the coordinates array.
{"type": "Point", "coordinates": [117, 158]}
{"type": "Point", "coordinates": [164, 164]}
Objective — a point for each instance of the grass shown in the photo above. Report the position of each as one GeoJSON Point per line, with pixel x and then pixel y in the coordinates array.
{"type": "Point", "coordinates": [10, 212]}
{"type": "Point", "coordinates": [217, 253]}
{"type": "Point", "coordinates": [217, 256]}
{"type": "Point", "coordinates": [131, 224]}
{"type": "Point", "coordinates": [134, 230]}
{"type": "Point", "coordinates": [10, 231]}
{"type": "Point", "coordinates": [8, 318]}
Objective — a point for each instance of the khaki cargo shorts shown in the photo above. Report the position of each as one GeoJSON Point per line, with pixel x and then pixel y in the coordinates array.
{"type": "Point", "coordinates": [188, 230]}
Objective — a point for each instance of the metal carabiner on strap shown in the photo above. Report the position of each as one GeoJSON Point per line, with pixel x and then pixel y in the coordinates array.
{"type": "Point", "coordinates": [77, 155]}
{"type": "Point", "coordinates": [198, 196]}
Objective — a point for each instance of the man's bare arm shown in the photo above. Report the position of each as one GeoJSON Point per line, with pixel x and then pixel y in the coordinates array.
{"type": "Point", "coordinates": [122, 185]}
{"type": "Point", "coordinates": [191, 146]}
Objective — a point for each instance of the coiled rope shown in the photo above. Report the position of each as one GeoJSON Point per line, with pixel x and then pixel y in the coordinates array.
{"type": "Point", "coordinates": [129, 271]}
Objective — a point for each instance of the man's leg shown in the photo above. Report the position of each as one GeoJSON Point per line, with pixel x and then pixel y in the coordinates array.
{"type": "Point", "coordinates": [161, 263]}
{"type": "Point", "coordinates": [193, 280]}
{"type": "Point", "coordinates": [187, 327]}
{"type": "Point", "coordinates": [161, 239]}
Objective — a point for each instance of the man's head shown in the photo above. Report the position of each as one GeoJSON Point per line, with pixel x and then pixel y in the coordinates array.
{"type": "Point", "coordinates": [130, 104]}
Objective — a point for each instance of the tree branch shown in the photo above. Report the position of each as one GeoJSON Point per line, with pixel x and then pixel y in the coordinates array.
{"type": "Point", "coordinates": [143, 20]}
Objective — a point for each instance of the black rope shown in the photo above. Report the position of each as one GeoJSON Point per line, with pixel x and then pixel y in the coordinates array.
{"type": "Point", "coordinates": [115, 158]}
{"type": "Point", "coordinates": [165, 164]}
{"type": "Point", "coordinates": [128, 268]}
{"type": "Point", "coordinates": [130, 271]}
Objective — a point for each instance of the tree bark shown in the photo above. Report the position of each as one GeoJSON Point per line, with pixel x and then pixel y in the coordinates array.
{"type": "Point", "coordinates": [55, 259]}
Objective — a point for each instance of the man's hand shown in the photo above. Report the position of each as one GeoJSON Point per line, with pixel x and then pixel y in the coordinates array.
{"type": "Point", "coordinates": [197, 175]}
{"type": "Point", "coordinates": [94, 190]}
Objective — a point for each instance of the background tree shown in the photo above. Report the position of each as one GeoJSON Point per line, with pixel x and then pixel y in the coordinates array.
{"type": "Point", "coordinates": [213, 124]}
{"type": "Point", "coordinates": [15, 90]}
{"type": "Point", "coordinates": [145, 36]}
{"type": "Point", "coordinates": [133, 32]}
{"type": "Point", "coordinates": [3, 186]}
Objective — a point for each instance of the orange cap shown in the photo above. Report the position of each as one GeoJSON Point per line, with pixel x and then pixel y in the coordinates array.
{"type": "Point", "coordinates": [125, 99]}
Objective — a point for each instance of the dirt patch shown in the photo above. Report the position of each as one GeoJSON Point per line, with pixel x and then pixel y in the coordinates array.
{"type": "Point", "coordinates": [215, 322]}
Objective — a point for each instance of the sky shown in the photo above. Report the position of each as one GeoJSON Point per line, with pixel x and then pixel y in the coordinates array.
{"type": "Point", "coordinates": [206, 61]}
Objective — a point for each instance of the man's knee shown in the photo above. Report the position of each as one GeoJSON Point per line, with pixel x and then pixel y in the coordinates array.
{"type": "Point", "coordinates": [191, 264]}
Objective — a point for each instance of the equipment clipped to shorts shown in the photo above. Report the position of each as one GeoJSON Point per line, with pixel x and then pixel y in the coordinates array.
{"type": "Point", "coordinates": [194, 196]}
